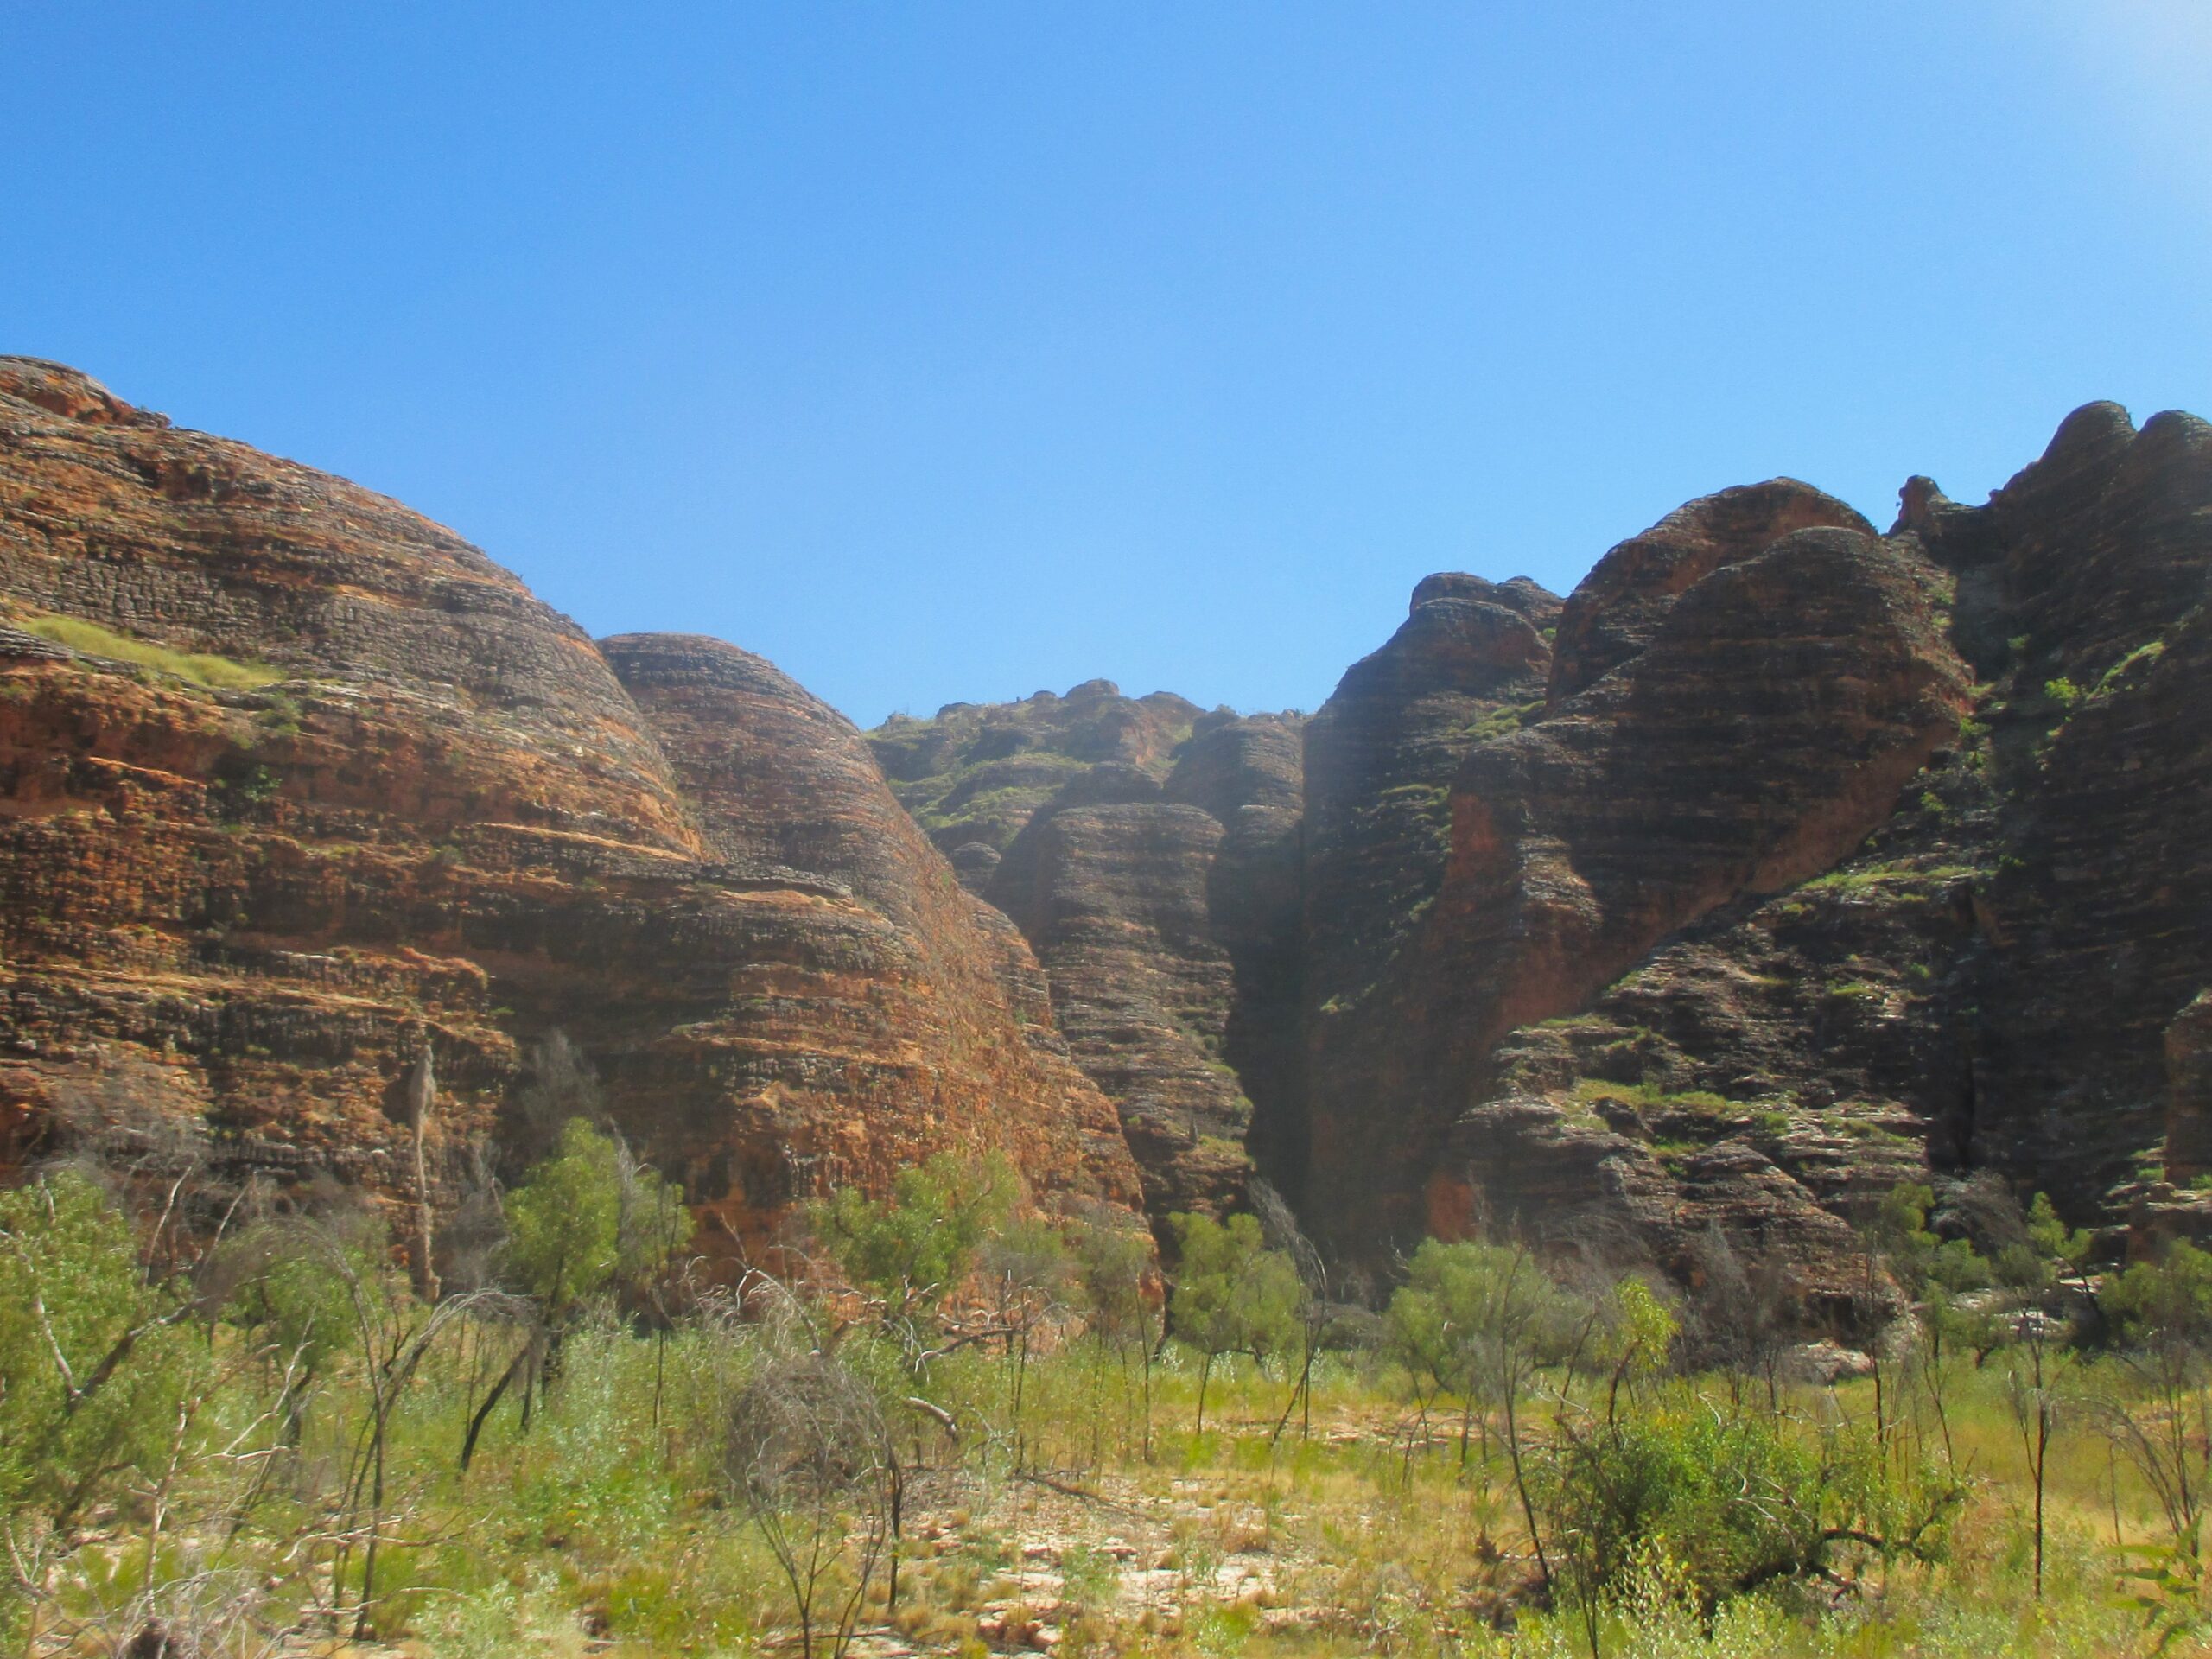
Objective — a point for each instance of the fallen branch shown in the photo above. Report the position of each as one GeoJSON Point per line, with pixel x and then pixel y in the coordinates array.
{"type": "Point", "coordinates": [1066, 1489]}
{"type": "Point", "coordinates": [943, 1418]}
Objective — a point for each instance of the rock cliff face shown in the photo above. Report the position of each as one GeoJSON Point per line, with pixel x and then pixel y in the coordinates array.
{"type": "Point", "coordinates": [295, 784]}
{"type": "Point", "coordinates": [974, 773]}
{"type": "Point", "coordinates": [1829, 859]}
{"type": "Point", "coordinates": [1783, 859]}
{"type": "Point", "coordinates": [1147, 853]}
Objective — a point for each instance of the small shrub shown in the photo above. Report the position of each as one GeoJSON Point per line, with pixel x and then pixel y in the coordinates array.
{"type": "Point", "coordinates": [2141, 656]}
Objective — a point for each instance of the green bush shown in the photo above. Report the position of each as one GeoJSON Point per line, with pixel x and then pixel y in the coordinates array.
{"type": "Point", "coordinates": [1734, 1501]}
{"type": "Point", "coordinates": [916, 1247]}
{"type": "Point", "coordinates": [91, 1361]}
{"type": "Point", "coordinates": [1233, 1295]}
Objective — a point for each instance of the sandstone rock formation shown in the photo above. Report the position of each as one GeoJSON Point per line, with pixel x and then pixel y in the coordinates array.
{"type": "Point", "coordinates": [1835, 859]}
{"type": "Point", "coordinates": [1782, 860]}
{"type": "Point", "coordinates": [1765, 720]}
{"type": "Point", "coordinates": [2189, 1097]}
{"type": "Point", "coordinates": [1146, 851]}
{"type": "Point", "coordinates": [974, 773]}
{"type": "Point", "coordinates": [416, 808]}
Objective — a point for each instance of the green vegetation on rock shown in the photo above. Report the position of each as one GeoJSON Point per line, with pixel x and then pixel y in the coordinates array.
{"type": "Point", "coordinates": [201, 668]}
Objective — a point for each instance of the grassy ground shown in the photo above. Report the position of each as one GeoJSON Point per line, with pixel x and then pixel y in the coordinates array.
{"type": "Point", "coordinates": [606, 1527]}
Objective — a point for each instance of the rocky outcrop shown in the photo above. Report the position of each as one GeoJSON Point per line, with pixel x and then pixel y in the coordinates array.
{"type": "Point", "coordinates": [1754, 925]}
{"type": "Point", "coordinates": [297, 784]}
{"type": "Point", "coordinates": [1781, 861]}
{"type": "Point", "coordinates": [1118, 910]}
{"type": "Point", "coordinates": [1770, 720]}
{"type": "Point", "coordinates": [974, 773]}
{"type": "Point", "coordinates": [2091, 568]}
{"type": "Point", "coordinates": [1614, 612]}
{"type": "Point", "coordinates": [1163, 913]}
{"type": "Point", "coordinates": [921, 997]}
{"type": "Point", "coordinates": [1149, 853]}
{"type": "Point", "coordinates": [2175, 1201]}
{"type": "Point", "coordinates": [2189, 1092]}
{"type": "Point", "coordinates": [1469, 665]}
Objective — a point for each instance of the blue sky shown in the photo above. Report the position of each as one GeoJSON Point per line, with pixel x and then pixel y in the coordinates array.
{"type": "Point", "coordinates": [955, 350]}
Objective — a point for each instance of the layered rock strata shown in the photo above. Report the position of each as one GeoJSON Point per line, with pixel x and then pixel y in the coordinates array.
{"type": "Point", "coordinates": [1156, 879]}
{"type": "Point", "coordinates": [1862, 858]}
{"type": "Point", "coordinates": [297, 784]}
{"type": "Point", "coordinates": [974, 774]}
{"type": "Point", "coordinates": [1783, 859]}
{"type": "Point", "coordinates": [1770, 717]}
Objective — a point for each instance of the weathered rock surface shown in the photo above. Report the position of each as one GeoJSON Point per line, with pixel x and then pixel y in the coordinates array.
{"type": "Point", "coordinates": [1117, 907]}
{"type": "Point", "coordinates": [1469, 665]}
{"type": "Point", "coordinates": [1834, 993]}
{"type": "Point", "coordinates": [2189, 1092]}
{"type": "Point", "coordinates": [1617, 608]}
{"type": "Point", "coordinates": [1783, 861]}
{"type": "Point", "coordinates": [1150, 860]}
{"type": "Point", "coordinates": [2093, 566]}
{"type": "Point", "coordinates": [448, 822]}
{"type": "Point", "coordinates": [1768, 722]}
{"type": "Point", "coordinates": [974, 773]}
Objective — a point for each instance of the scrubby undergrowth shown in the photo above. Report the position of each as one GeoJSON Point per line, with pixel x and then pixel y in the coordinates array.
{"type": "Point", "coordinates": [268, 1443]}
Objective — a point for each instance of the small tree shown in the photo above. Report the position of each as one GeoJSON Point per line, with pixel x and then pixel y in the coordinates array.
{"type": "Point", "coordinates": [98, 1385]}
{"type": "Point", "coordinates": [2161, 1314]}
{"type": "Point", "coordinates": [2065, 1249]}
{"type": "Point", "coordinates": [2026, 1266]}
{"type": "Point", "coordinates": [1114, 1274]}
{"type": "Point", "coordinates": [910, 1252]}
{"type": "Point", "coordinates": [1429, 1337]}
{"type": "Point", "coordinates": [1026, 1271]}
{"type": "Point", "coordinates": [1484, 1316]}
{"type": "Point", "coordinates": [1280, 1227]}
{"type": "Point", "coordinates": [290, 1283]}
{"type": "Point", "coordinates": [1233, 1295]}
{"type": "Point", "coordinates": [564, 1222]}
{"type": "Point", "coordinates": [1931, 1272]}
{"type": "Point", "coordinates": [587, 1218]}
{"type": "Point", "coordinates": [391, 1333]}
{"type": "Point", "coordinates": [807, 1455]}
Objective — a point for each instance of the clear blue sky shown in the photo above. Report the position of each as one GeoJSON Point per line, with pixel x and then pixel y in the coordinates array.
{"type": "Point", "coordinates": [954, 350]}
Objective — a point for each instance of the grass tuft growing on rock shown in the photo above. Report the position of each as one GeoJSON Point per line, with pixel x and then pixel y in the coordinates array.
{"type": "Point", "coordinates": [201, 668]}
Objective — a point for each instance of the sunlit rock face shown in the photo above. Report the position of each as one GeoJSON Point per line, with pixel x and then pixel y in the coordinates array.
{"type": "Point", "coordinates": [1769, 719]}
{"type": "Point", "coordinates": [437, 815]}
{"type": "Point", "coordinates": [1783, 859]}
{"type": "Point", "coordinates": [1830, 858]}
{"type": "Point", "coordinates": [1149, 854]}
